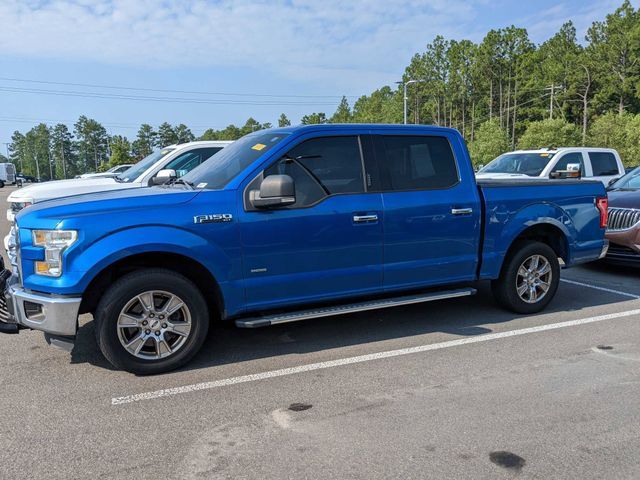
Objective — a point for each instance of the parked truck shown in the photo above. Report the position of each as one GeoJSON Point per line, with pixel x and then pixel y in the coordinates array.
{"type": "Point", "coordinates": [602, 164]}
{"type": "Point", "coordinates": [291, 224]}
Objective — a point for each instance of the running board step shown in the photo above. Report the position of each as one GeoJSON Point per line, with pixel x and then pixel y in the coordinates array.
{"type": "Point", "coordinates": [268, 320]}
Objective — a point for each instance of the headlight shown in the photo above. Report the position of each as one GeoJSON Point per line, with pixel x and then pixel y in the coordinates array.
{"type": "Point", "coordinates": [17, 206]}
{"type": "Point", "coordinates": [55, 242]}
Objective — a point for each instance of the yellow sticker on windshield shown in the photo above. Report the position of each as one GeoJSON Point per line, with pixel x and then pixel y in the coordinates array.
{"type": "Point", "coordinates": [544, 154]}
{"type": "Point", "coordinates": [258, 146]}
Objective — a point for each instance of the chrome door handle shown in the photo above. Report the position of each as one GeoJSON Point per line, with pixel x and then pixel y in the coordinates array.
{"type": "Point", "coordinates": [461, 211]}
{"type": "Point", "coordinates": [365, 218]}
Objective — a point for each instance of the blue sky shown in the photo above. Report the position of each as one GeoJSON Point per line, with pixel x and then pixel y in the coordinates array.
{"type": "Point", "coordinates": [254, 58]}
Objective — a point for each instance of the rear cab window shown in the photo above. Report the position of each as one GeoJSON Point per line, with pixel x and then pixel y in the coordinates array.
{"type": "Point", "coordinates": [603, 164]}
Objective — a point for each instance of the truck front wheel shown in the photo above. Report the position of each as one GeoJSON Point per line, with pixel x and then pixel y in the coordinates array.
{"type": "Point", "coordinates": [151, 321]}
{"type": "Point", "coordinates": [529, 278]}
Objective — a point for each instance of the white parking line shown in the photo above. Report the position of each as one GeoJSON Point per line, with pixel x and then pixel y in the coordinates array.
{"type": "Point", "coordinates": [609, 290]}
{"type": "Point", "coordinates": [364, 358]}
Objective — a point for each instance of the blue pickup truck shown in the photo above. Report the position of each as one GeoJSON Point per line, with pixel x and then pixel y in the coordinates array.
{"type": "Point", "coordinates": [291, 224]}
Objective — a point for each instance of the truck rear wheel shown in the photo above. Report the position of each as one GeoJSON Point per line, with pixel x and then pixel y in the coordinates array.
{"type": "Point", "coordinates": [151, 321]}
{"type": "Point", "coordinates": [529, 278]}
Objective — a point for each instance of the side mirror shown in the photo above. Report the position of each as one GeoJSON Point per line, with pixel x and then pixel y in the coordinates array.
{"type": "Point", "coordinates": [572, 171]}
{"type": "Point", "coordinates": [574, 168]}
{"type": "Point", "coordinates": [275, 191]}
{"type": "Point", "coordinates": [163, 176]}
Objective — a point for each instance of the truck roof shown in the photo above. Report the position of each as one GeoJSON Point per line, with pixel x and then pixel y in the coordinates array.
{"type": "Point", "coordinates": [369, 126]}
{"type": "Point", "coordinates": [562, 149]}
{"type": "Point", "coordinates": [211, 143]}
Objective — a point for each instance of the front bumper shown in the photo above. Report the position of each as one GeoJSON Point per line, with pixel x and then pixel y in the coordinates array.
{"type": "Point", "coordinates": [623, 255]}
{"type": "Point", "coordinates": [55, 315]}
{"type": "Point", "coordinates": [625, 245]}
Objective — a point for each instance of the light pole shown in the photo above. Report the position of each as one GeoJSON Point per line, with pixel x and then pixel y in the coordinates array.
{"type": "Point", "coordinates": [405, 97]}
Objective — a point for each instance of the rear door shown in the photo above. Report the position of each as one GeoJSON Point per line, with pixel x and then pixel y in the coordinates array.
{"type": "Point", "coordinates": [431, 211]}
{"type": "Point", "coordinates": [325, 246]}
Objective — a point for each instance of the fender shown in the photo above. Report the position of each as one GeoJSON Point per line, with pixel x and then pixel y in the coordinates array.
{"type": "Point", "coordinates": [503, 227]}
{"type": "Point", "coordinates": [83, 265]}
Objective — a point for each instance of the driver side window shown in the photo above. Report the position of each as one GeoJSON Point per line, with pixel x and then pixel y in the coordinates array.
{"type": "Point", "coordinates": [575, 157]}
{"type": "Point", "coordinates": [321, 167]}
{"type": "Point", "coordinates": [308, 191]}
{"type": "Point", "coordinates": [186, 162]}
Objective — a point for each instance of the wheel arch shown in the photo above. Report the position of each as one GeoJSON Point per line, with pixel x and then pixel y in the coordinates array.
{"type": "Point", "coordinates": [182, 264]}
{"type": "Point", "coordinates": [547, 233]}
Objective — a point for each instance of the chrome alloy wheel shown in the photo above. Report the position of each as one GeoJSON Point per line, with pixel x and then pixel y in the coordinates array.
{"type": "Point", "coordinates": [534, 279]}
{"type": "Point", "coordinates": [154, 325]}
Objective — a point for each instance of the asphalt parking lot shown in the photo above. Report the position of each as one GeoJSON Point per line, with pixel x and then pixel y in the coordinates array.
{"type": "Point", "coordinates": [453, 389]}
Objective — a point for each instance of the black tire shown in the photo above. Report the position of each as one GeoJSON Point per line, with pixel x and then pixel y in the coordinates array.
{"type": "Point", "coordinates": [124, 291]}
{"type": "Point", "coordinates": [505, 288]}
{"type": "Point", "coordinates": [1, 184]}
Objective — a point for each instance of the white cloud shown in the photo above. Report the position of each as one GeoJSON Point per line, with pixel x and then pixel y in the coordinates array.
{"type": "Point", "coordinates": [367, 37]}
{"type": "Point", "coordinates": [341, 44]}
{"type": "Point", "coordinates": [547, 22]}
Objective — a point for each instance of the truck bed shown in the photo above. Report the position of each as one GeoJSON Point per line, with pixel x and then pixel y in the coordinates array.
{"type": "Point", "coordinates": [509, 208]}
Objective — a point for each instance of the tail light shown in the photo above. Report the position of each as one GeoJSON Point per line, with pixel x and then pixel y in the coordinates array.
{"type": "Point", "coordinates": [603, 206]}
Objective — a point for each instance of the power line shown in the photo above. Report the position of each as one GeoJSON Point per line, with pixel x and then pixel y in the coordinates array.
{"type": "Point", "coordinates": [107, 124]}
{"type": "Point", "coordinates": [109, 96]}
{"type": "Point", "coordinates": [159, 90]}
{"type": "Point", "coordinates": [55, 120]}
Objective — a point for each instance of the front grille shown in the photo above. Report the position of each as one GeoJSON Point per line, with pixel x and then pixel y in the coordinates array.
{"type": "Point", "coordinates": [622, 218]}
{"type": "Point", "coordinates": [5, 316]}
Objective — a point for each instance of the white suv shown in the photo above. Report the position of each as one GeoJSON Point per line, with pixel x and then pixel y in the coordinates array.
{"type": "Point", "coordinates": [171, 161]}
{"type": "Point", "coordinates": [602, 164]}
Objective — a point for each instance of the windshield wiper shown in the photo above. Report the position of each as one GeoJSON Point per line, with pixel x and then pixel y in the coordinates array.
{"type": "Point", "coordinates": [179, 181]}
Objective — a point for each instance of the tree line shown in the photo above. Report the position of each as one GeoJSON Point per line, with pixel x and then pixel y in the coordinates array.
{"type": "Point", "coordinates": [502, 93]}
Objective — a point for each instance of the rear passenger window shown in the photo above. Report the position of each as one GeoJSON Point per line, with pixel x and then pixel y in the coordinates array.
{"type": "Point", "coordinates": [417, 162]}
{"type": "Point", "coordinates": [603, 163]}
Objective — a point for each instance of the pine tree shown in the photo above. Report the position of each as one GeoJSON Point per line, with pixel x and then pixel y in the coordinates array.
{"type": "Point", "coordinates": [343, 112]}
{"type": "Point", "coordinates": [283, 121]}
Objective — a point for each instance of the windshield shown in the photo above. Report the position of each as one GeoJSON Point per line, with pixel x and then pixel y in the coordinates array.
{"type": "Point", "coordinates": [630, 181]}
{"type": "Point", "coordinates": [530, 164]}
{"type": "Point", "coordinates": [139, 168]}
{"type": "Point", "coordinates": [225, 165]}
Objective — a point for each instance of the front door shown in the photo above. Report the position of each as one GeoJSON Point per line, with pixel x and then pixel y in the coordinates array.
{"type": "Point", "coordinates": [431, 212]}
{"type": "Point", "coordinates": [328, 244]}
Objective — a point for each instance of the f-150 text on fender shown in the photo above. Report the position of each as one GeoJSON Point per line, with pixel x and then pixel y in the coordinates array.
{"type": "Point", "coordinates": [289, 224]}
